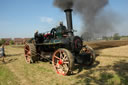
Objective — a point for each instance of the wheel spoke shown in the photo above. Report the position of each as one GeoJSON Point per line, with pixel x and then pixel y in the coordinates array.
{"type": "Point", "coordinates": [57, 57]}
{"type": "Point", "coordinates": [65, 68]}
{"type": "Point", "coordinates": [28, 54]}
{"type": "Point", "coordinates": [26, 50]}
{"type": "Point", "coordinates": [64, 57]}
{"type": "Point", "coordinates": [57, 65]}
{"type": "Point", "coordinates": [28, 59]}
{"type": "Point", "coordinates": [61, 56]}
{"type": "Point", "coordinates": [60, 68]}
{"type": "Point", "coordinates": [66, 62]}
{"type": "Point", "coordinates": [26, 45]}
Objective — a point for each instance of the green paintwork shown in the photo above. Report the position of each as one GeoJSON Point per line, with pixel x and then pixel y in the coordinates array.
{"type": "Point", "coordinates": [51, 42]}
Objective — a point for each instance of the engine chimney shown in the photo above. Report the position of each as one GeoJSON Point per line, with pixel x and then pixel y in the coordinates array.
{"type": "Point", "coordinates": [69, 21]}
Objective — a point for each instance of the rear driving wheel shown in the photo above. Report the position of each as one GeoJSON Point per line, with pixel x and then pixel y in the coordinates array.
{"type": "Point", "coordinates": [90, 58]}
{"type": "Point", "coordinates": [30, 53]}
{"type": "Point", "coordinates": [63, 61]}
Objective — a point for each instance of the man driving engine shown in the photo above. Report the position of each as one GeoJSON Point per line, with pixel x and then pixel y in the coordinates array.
{"type": "Point", "coordinates": [61, 30]}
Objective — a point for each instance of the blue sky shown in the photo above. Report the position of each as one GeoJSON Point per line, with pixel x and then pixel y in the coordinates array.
{"type": "Point", "coordinates": [21, 18]}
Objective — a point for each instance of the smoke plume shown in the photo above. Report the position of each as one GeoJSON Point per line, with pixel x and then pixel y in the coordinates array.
{"type": "Point", "coordinates": [95, 20]}
{"type": "Point", "coordinates": [64, 4]}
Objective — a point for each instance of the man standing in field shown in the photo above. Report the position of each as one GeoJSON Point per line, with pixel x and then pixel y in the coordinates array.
{"type": "Point", "coordinates": [2, 52]}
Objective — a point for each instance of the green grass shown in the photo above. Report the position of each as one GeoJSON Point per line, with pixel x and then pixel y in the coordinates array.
{"type": "Point", "coordinates": [7, 77]}
{"type": "Point", "coordinates": [110, 71]}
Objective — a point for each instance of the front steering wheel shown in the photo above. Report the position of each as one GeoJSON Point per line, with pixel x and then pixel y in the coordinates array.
{"type": "Point", "coordinates": [53, 32]}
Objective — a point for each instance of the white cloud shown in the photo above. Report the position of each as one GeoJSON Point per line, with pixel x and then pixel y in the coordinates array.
{"type": "Point", "coordinates": [46, 19]}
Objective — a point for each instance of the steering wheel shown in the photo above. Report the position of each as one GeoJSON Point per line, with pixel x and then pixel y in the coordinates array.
{"type": "Point", "coordinates": [53, 32]}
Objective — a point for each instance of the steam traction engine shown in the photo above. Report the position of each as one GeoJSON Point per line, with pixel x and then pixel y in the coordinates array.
{"type": "Point", "coordinates": [60, 47]}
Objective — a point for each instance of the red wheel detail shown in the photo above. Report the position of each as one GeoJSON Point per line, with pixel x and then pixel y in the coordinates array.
{"type": "Point", "coordinates": [27, 53]}
{"type": "Point", "coordinates": [46, 35]}
{"type": "Point", "coordinates": [76, 43]}
{"type": "Point", "coordinates": [61, 62]}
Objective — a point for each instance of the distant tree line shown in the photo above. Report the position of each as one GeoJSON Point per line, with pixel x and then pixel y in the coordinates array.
{"type": "Point", "coordinates": [3, 41]}
{"type": "Point", "coordinates": [116, 36]}
{"type": "Point", "coordinates": [88, 37]}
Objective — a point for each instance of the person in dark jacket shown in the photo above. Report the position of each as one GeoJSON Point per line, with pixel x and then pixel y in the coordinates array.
{"type": "Point", "coordinates": [2, 52]}
{"type": "Point", "coordinates": [61, 30]}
